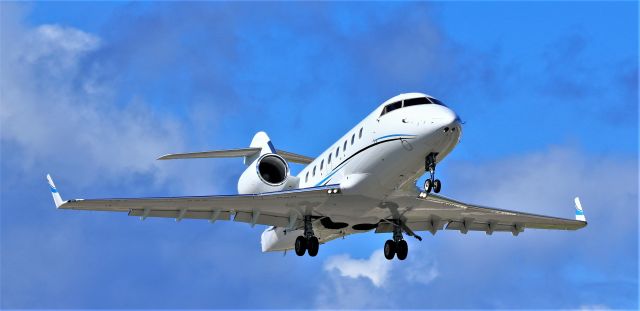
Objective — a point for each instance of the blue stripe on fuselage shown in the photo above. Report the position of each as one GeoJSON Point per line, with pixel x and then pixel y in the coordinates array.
{"type": "Point", "coordinates": [377, 140]}
{"type": "Point", "coordinates": [394, 135]}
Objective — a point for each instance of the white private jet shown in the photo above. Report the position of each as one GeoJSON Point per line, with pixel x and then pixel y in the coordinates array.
{"type": "Point", "coordinates": [365, 181]}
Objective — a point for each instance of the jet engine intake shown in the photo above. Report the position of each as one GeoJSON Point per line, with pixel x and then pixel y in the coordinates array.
{"type": "Point", "coordinates": [270, 172]}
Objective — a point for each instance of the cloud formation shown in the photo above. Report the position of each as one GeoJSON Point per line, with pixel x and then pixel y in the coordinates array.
{"type": "Point", "coordinates": [96, 108]}
{"type": "Point", "coordinates": [58, 107]}
{"type": "Point", "coordinates": [376, 268]}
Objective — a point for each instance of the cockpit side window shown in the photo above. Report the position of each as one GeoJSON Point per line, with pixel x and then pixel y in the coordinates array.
{"type": "Point", "coordinates": [391, 107]}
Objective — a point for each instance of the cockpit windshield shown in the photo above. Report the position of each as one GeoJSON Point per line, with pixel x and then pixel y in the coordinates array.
{"type": "Point", "coordinates": [416, 101]}
{"type": "Point", "coordinates": [410, 102]}
{"type": "Point", "coordinates": [437, 102]}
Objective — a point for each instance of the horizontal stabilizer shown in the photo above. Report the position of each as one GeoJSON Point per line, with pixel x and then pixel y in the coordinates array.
{"type": "Point", "coordinates": [231, 153]}
{"type": "Point", "coordinates": [236, 153]}
{"type": "Point", "coordinates": [295, 158]}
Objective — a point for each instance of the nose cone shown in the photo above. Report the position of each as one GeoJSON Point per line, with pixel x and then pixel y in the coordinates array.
{"type": "Point", "coordinates": [446, 117]}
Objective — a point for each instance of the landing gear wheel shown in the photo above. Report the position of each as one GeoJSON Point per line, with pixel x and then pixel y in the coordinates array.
{"type": "Point", "coordinates": [301, 245]}
{"type": "Point", "coordinates": [313, 245]}
{"type": "Point", "coordinates": [389, 249]}
{"type": "Point", "coordinates": [402, 249]}
{"type": "Point", "coordinates": [428, 185]}
{"type": "Point", "coordinates": [437, 185]}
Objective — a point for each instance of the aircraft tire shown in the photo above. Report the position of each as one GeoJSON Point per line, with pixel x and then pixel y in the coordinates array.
{"type": "Point", "coordinates": [428, 185]}
{"type": "Point", "coordinates": [402, 249]}
{"type": "Point", "coordinates": [313, 245]}
{"type": "Point", "coordinates": [300, 245]}
{"type": "Point", "coordinates": [389, 249]}
{"type": "Point", "coordinates": [437, 185]}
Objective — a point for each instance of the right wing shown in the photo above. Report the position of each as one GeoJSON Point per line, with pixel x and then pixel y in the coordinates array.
{"type": "Point", "coordinates": [280, 208]}
{"type": "Point", "coordinates": [234, 153]}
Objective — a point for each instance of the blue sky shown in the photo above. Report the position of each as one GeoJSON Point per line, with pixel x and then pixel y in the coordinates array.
{"type": "Point", "coordinates": [93, 92]}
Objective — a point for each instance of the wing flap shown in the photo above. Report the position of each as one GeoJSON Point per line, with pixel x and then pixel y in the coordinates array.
{"type": "Point", "coordinates": [273, 208]}
{"type": "Point", "coordinates": [469, 217]}
{"type": "Point", "coordinates": [225, 215]}
{"type": "Point", "coordinates": [262, 219]}
{"type": "Point", "coordinates": [479, 226]}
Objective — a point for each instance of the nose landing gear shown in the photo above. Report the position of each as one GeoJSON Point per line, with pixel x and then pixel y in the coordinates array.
{"type": "Point", "coordinates": [431, 183]}
{"type": "Point", "coordinates": [309, 242]}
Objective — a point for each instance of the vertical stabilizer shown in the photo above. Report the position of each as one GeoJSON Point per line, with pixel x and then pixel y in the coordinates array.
{"type": "Point", "coordinates": [260, 140]}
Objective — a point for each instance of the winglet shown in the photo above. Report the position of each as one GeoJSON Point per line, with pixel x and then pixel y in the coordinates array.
{"type": "Point", "coordinates": [54, 192]}
{"type": "Point", "coordinates": [579, 211]}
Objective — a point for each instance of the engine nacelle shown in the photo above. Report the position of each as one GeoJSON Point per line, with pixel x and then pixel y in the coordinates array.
{"type": "Point", "coordinates": [269, 172]}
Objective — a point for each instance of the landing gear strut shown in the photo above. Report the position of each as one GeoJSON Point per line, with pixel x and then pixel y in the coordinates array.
{"type": "Point", "coordinates": [309, 242]}
{"type": "Point", "coordinates": [430, 166]}
{"type": "Point", "coordinates": [398, 246]}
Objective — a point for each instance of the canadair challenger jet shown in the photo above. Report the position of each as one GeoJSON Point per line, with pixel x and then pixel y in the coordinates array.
{"type": "Point", "coordinates": [364, 181]}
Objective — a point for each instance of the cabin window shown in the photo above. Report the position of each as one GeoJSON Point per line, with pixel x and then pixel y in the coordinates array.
{"type": "Point", "coordinates": [337, 151]}
{"type": "Point", "coordinates": [344, 148]}
{"type": "Point", "coordinates": [360, 134]}
{"type": "Point", "coordinates": [321, 165]}
{"type": "Point", "coordinates": [391, 107]}
{"type": "Point", "coordinates": [306, 178]}
{"type": "Point", "coordinates": [353, 137]}
{"type": "Point", "coordinates": [329, 161]}
{"type": "Point", "coordinates": [314, 171]}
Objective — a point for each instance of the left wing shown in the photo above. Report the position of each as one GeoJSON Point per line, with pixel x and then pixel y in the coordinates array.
{"type": "Point", "coordinates": [433, 212]}
{"type": "Point", "coordinates": [281, 208]}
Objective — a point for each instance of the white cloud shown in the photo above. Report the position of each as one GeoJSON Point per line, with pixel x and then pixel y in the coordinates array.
{"type": "Point", "coordinates": [66, 38]}
{"type": "Point", "coordinates": [57, 45]}
{"type": "Point", "coordinates": [376, 268]}
{"type": "Point", "coordinates": [367, 283]}
{"type": "Point", "coordinates": [59, 108]}
{"type": "Point", "coordinates": [420, 268]}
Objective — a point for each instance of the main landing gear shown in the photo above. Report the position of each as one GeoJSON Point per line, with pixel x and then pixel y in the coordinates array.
{"type": "Point", "coordinates": [431, 183]}
{"type": "Point", "coordinates": [398, 246]}
{"type": "Point", "coordinates": [309, 242]}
